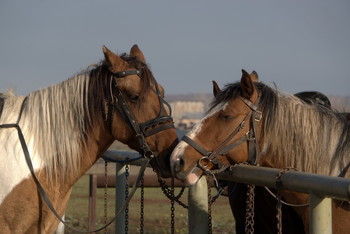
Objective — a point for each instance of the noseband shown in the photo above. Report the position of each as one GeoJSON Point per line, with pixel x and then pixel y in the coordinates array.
{"type": "Point", "coordinates": [250, 136]}
{"type": "Point", "coordinates": [142, 130]}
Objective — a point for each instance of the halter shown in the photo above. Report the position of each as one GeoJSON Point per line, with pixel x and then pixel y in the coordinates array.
{"type": "Point", "coordinates": [142, 130]}
{"type": "Point", "coordinates": [250, 136]}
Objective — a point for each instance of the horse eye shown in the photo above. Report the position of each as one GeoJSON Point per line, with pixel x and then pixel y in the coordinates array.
{"type": "Point", "coordinates": [134, 97]}
{"type": "Point", "coordinates": [225, 117]}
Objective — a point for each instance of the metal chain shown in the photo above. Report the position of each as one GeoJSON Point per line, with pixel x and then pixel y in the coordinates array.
{"type": "Point", "coordinates": [172, 201]}
{"type": "Point", "coordinates": [249, 218]}
{"type": "Point", "coordinates": [210, 202]}
{"type": "Point", "coordinates": [170, 194]}
{"type": "Point", "coordinates": [126, 197]}
{"type": "Point", "coordinates": [278, 198]}
{"type": "Point", "coordinates": [142, 202]}
{"type": "Point", "coordinates": [105, 198]}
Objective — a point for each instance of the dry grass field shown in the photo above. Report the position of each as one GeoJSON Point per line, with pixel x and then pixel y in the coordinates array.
{"type": "Point", "coordinates": [156, 210]}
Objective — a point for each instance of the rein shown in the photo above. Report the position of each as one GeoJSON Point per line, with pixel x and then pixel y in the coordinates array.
{"type": "Point", "coordinates": [142, 131]}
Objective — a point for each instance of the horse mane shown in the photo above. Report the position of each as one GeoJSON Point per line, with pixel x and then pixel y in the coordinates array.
{"type": "Point", "coordinates": [311, 138]}
{"type": "Point", "coordinates": [56, 121]}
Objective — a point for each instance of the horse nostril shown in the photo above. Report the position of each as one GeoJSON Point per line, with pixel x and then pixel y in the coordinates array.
{"type": "Point", "coordinates": [182, 162]}
{"type": "Point", "coordinates": [179, 165]}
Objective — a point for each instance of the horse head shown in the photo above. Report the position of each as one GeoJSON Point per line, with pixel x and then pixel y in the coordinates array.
{"type": "Point", "coordinates": [133, 97]}
{"type": "Point", "coordinates": [224, 136]}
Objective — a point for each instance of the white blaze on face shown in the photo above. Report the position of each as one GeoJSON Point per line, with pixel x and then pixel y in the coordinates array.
{"type": "Point", "coordinates": [180, 148]}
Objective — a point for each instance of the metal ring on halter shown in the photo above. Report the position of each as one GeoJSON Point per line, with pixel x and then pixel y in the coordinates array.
{"type": "Point", "coordinates": [203, 167]}
{"type": "Point", "coordinates": [249, 138]}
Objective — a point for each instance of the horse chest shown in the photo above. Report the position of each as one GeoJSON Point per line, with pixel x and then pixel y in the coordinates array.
{"type": "Point", "coordinates": [13, 168]}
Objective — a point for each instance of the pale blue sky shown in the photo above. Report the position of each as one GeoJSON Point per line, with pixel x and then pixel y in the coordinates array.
{"type": "Point", "coordinates": [299, 45]}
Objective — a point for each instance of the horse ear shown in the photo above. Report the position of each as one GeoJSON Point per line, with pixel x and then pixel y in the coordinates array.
{"type": "Point", "coordinates": [216, 89]}
{"type": "Point", "coordinates": [247, 85]}
{"type": "Point", "coordinates": [114, 62]}
{"type": "Point", "coordinates": [255, 77]}
{"type": "Point", "coordinates": [137, 53]}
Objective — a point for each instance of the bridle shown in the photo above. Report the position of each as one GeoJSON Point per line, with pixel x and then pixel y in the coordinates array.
{"type": "Point", "coordinates": [116, 100]}
{"type": "Point", "coordinates": [254, 116]}
{"type": "Point", "coordinates": [142, 130]}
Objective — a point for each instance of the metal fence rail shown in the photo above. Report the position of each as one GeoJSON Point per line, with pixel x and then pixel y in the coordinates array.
{"type": "Point", "coordinates": [322, 190]}
{"type": "Point", "coordinates": [320, 187]}
{"type": "Point", "coordinates": [197, 194]}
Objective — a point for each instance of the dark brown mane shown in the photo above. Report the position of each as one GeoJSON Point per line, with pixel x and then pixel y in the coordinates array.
{"type": "Point", "coordinates": [267, 101]}
{"type": "Point", "coordinates": [100, 78]}
{"type": "Point", "coordinates": [2, 100]}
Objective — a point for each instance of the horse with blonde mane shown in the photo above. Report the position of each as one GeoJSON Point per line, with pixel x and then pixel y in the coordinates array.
{"type": "Point", "coordinates": [65, 128]}
{"type": "Point", "coordinates": [250, 122]}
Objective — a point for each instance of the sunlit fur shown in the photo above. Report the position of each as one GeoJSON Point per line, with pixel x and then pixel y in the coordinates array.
{"type": "Point", "coordinates": [52, 117]}
{"type": "Point", "coordinates": [67, 127]}
{"type": "Point", "coordinates": [192, 178]}
{"type": "Point", "coordinates": [310, 138]}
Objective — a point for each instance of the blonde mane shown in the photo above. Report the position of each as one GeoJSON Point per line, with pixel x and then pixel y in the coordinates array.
{"type": "Point", "coordinates": [55, 122]}
{"type": "Point", "coordinates": [310, 138]}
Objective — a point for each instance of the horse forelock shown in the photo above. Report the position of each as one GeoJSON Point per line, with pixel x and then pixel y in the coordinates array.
{"type": "Point", "coordinates": [308, 137]}
{"type": "Point", "coordinates": [146, 74]}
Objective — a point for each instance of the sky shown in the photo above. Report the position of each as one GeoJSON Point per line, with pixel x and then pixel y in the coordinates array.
{"type": "Point", "coordinates": [296, 45]}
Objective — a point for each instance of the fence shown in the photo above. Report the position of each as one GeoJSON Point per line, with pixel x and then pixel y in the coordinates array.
{"type": "Point", "coordinates": [197, 194]}
{"type": "Point", "coordinates": [322, 190]}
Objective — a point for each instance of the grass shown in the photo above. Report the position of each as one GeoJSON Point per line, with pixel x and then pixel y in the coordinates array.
{"type": "Point", "coordinates": [156, 211]}
{"type": "Point", "coordinates": [157, 215]}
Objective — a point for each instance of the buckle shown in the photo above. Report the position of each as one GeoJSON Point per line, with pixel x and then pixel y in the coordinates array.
{"type": "Point", "coordinates": [257, 116]}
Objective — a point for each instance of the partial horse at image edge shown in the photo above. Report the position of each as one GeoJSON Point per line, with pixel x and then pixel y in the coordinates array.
{"type": "Point", "coordinates": [68, 126]}
{"type": "Point", "coordinates": [291, 133]}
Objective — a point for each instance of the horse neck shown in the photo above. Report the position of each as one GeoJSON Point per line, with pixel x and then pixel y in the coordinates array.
{"type": "Point", "coordinates": [299, 136]}
{"type": "Point", "coordinates": [66, 131]}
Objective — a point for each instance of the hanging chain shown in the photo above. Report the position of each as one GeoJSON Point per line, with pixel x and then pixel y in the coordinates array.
{"type": "Point", "coordinates": [126, 197]}
{"type": "Point", "coordinates": [249, 217]}
{"type": "Point", "coordinates": [172, 201]}
{"type": "Point", "coordinates": [279, 199]}
{"type": "Point", "coordinates": [142, 202]}
{"type": "Point", "coordinates": [169, 193]}
{"type": "Point", "coordinates": [210, 202]}
{"type": "Point", "coordinates": [105, 198]}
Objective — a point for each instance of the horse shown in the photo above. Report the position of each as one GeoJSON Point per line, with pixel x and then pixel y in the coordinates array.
{"type": "Point", "coordinates": [250, 122]}
{"type": "Point", "coordinates": [66, 127]}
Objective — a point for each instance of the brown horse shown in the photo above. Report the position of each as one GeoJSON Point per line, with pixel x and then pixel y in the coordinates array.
{"type": "Point", "coordinates": [265, 217]}
{"type": "Point", "coordinates": [68, 126]}
{"type": "Point", "coordinates": [250, 122]}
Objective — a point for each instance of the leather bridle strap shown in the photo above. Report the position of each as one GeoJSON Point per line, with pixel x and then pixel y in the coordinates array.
{"type": "Point", "coordinates": [141, 130]}
{"type": "Point", "coordinates": [250, 136]}
{"type": "Point", "coordinates": [42, 190]}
